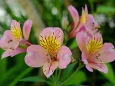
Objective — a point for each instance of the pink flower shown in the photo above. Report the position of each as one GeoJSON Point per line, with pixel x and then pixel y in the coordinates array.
{"type": "Point", "coordinates": [12, 40]}
{"type": "Point", "coordinates": [49, 54]}
{"type": "Point", "coordinates": [85, 19]}
{"type": "Point", "coordinates": [94, 52]}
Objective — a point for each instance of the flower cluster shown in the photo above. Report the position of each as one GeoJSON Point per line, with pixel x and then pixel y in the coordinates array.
{"type": "Point", "coordinates": [51, 54]}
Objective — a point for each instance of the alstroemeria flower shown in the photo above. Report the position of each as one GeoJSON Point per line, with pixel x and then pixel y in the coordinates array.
{"type": "Point", "coordinates": [49, 54]}
{"type": "Point", "coordinates": [85, 19]}
{"type": "Point", "coordinates": [12, 40]}
{"type": "Point", "coordinates": [94, 52]}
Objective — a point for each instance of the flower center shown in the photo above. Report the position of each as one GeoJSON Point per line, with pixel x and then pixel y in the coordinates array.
{"type": "Point", "coordinates": [51, 44]}
{"type": "Point", "coordinates": [94, 45]}
{"type": "Point", "coordinates": [16, 32]}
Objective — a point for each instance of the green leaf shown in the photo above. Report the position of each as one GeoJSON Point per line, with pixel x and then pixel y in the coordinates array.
{"type": "Point", "coordinates": [68, 71]}
{"type": "Point", "coordinates": [107, 84]}
{"type": "Point", "coordinates": [3, 67]}
{"type": "Point", "coordinates": [33, 79]}
{"type": "Point", "coordinates": [105, 9]}
{"type": "Point", "coordinates": [110, 75]}
{"type": "Point", "coordinates": [77, 78]}
{"type": "Point", "coordinates": [73, 44]}
{"type": "Point", "coordinates": [78, 85]}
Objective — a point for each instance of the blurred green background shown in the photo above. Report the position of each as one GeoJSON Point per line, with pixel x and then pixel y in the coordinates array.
{"type": "Point", "coordinates": [53, 13]}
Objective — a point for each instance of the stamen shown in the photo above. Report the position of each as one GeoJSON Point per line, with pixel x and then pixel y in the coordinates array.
{"type": "Point", "coordinates": [94, 45]}
{"type": "Point", "coordinates": [51, 44]}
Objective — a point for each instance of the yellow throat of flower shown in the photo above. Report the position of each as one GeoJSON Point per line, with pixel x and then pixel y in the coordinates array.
{"type": "Point", "coordinates": [84, 17]}
{"type": "Point", "coordinates": [16, 32]}
{"type": "Point", "coordinates": [94, 45]}
{"type": "Point", "coordinates": [51, 44]}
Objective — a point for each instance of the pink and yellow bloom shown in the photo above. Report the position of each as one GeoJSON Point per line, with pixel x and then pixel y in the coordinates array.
{"type": "Point", "coordinates": [12, 40]}
{"type": "Point", "coordinates": [49, 54]}
{"type": "Point", "coordinates": [85, 19]}
{"type": "Point", "coordinates": [94, 52]}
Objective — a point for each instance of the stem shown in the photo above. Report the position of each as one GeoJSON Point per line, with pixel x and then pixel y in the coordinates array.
{"type": "Point", "coordinates": [79, 67]}
{"type": "Point", "coordinates": [13, 83]}
{"type": "Point", "coordinates": [56, 74]}
{"type": "Point", "coordinates": [59, 74]}
{"type": "Point", "coordinates": [55, 81]}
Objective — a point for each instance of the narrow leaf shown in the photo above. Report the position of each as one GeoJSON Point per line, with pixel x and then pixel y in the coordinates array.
{"type": "Point", "coordinates": [68, 71]}
{"type": "Point", "coordinates": [33, 79]}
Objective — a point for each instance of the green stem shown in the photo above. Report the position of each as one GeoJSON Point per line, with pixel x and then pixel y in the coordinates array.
{"type": "Point", "coordinates": [13, 83]}
{"type": "Point", "coordinates": [56, 74]}
{"type": "Point", "coordinates": [79, 67]}
{"type": "Point", "coordinates": [56, 77]}
{"type": "Point", "coordinates": [59, 74]}
{"type": "Point", "coordinates": [55, 81]}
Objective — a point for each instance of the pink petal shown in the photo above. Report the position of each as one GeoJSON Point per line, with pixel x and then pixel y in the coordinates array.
{"type": "Point", "coordinates": [107, 53]}
{"type": "Point", "coordinates": [6, 40]}
{"type": "Point", "coordinates": [91, 24]}
{"type": "Point", "coordinates": [16, 30]}
{"type": "Point", "coordinates": [49, 68]}
{"type": "Point", "coordinates": [36, 56]}
{"type": "Point", "coordinates": [82, 40]}
{"type": "Point", "coordinates": [101, 67]}
{"type": "Point", "coordinates": [75, 30]}
{"type": "Point", "coordinates": [64, 57]}
{"type": "Point", "coordinates": [55, 31]}
{"type": "Point", "coordinates": [17, 51]}
{"type": "Point", "coordinates": [3, 45]}
{"type": "Point", "coordinates": [84, 59]}
{"type": "Point", "coordinates": [98, 36]}
{"type": "Point", "coordinates": [81, 27]}
{"type": "Point", "coordinates": [86, 11]}
{"type": "Point", "coordinates": [7, 36]}
{"type": "Point", "coordinates": [74, 14]}
{"type": "Point", "coordinates": [89, 68]}
{"type": "Point", "coordinates": [27, 28]}
{"type": "Point", "coordinates": [7, 53]}
{"type": "Point", "coordinates": [15, 24]}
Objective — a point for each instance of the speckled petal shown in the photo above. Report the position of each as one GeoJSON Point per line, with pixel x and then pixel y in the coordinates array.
{"type": "Point", "coordinates": [105, 55]}
{"type": "Point", "coordinates": [107, 52]}
{"type": "Point", "coordinates": [101, 67]}
{"type": "Point", "coordinates": [52, 31]}
{"type": "Point", "coordinates": [49, 68]}
{"type": "Point", "coordinates": [6, 39]}
{"type": "Point", "coordinates": [16, 30]}
{"type": "Point", "coordinates": [91, 24]}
